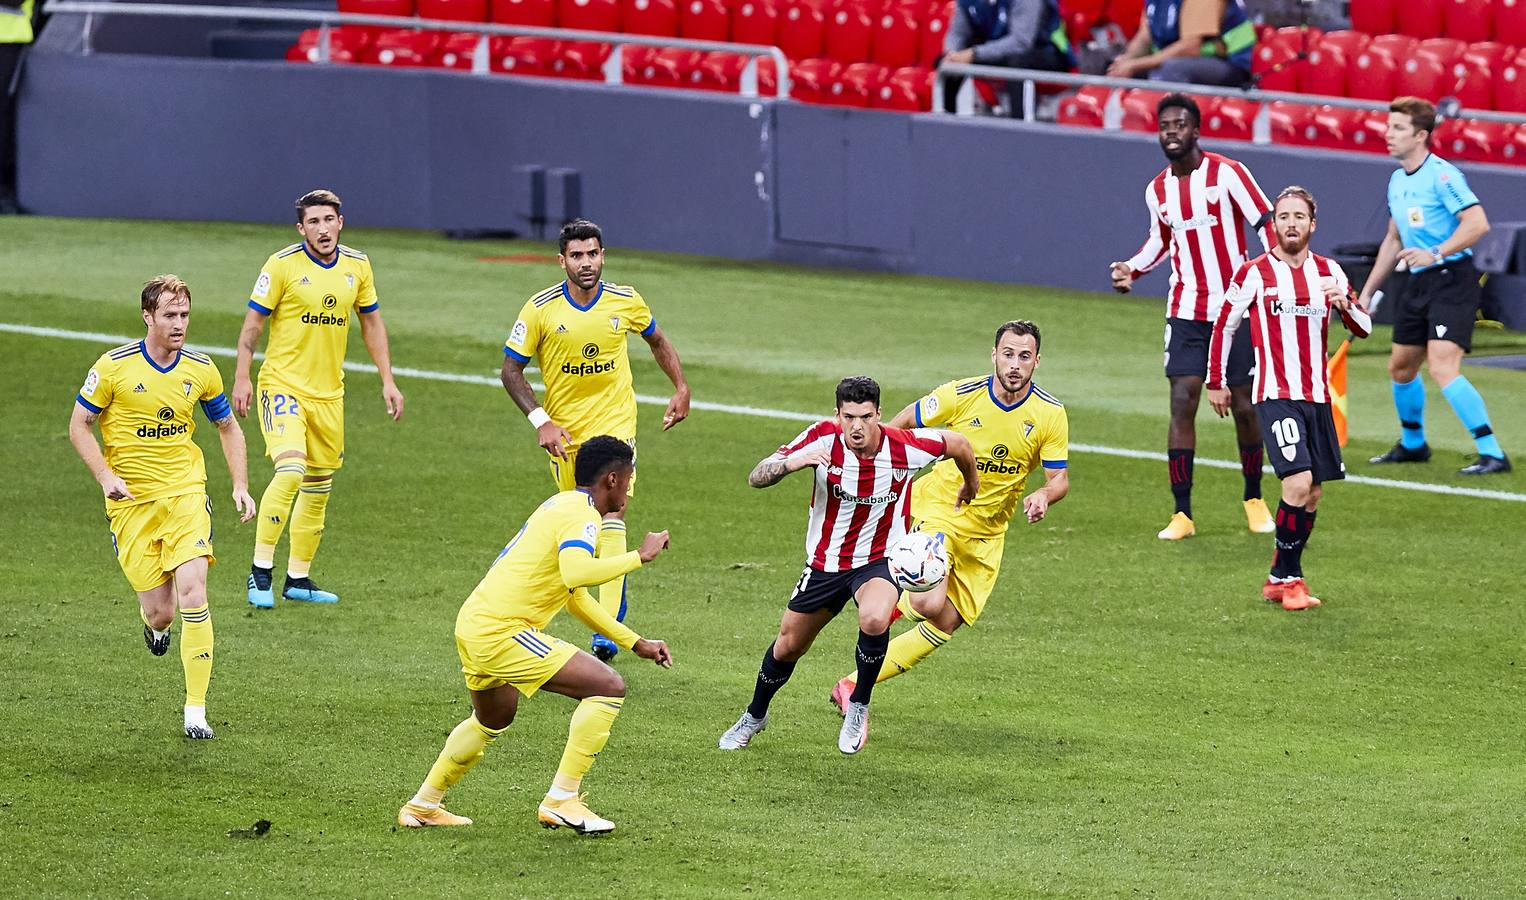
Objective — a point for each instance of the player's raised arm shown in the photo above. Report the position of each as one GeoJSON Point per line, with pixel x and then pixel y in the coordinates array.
{"type": "Point", "coordinates": [667, 359]}
{"type": "Point", "coordinates": [957, 448]}
{"type": "Point", "coordinates": [809, 448]}
{"type": "Point", "coordinates": [374, 331]}
{"type": "Point", "coordinates": [248, 337]}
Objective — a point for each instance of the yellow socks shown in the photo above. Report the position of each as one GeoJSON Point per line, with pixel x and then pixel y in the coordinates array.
{"type": "Point", "coordinates": [911, 648]}
{"type": "Point", "coordinates": [612, 544]}
{"type": "Point", "coordinates": [463, 749]}
{"type": "Point", "coordinates": [196, 653]}
{"type": "Point", "coordinates": [275, 508]}
{"type": "Point", "coordinates": [586, 736]}
{"type": "Point", "coordinates": [307, 525]}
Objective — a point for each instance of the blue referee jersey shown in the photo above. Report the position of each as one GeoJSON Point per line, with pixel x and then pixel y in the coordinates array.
{"type": "Point", "coordinates": [1425, 203]}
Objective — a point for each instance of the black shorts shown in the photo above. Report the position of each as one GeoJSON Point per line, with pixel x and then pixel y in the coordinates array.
{"type": "Point", "coordinates": [1439, 304]}
{"type": "Point", "coordinates": [1187, 343]}
{"type": "Point", "coordinates": [817, 590]}
{"type": "Point", "coordinates": [1300, 437]}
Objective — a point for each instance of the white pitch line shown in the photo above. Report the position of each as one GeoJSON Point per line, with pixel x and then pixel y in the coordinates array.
{"type": "Point", "coordinates": [760, 412]}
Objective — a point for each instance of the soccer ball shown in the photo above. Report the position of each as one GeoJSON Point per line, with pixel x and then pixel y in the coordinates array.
{"type": "Point", "coordinates": [919, 562]}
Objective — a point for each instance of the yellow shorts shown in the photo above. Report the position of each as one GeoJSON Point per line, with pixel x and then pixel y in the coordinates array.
{"type": "Point", "coordinates": [562, 472]}
{"type": "Point", "coordinates": [154, 538]}
{"type": "Point", "coordinates": [973, 564]}
{"type": "Point", "coordinates": [525, 659]}
{"type": "Point", "coordinates": [314, 428]}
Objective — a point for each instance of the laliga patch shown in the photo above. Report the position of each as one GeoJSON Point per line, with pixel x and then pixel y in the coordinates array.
{"type": "Point", "coordinates": [1416, 216]}
{"type": "Point", "coordinates": [591, 534]}
{"type": "Point", "coordinates": [262, 285]}
{"type": "Point", "coordinates": [91, 382]}
{"type": "Point", "coordinates": [930, 405]}
{"type": "Point", "coordinates": [520, 332]}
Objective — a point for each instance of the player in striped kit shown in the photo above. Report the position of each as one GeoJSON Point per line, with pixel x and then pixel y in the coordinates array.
{"type": "Point", "coordinates": [860, 508]}
{"type": "Point", "coordinates": [1289, 295]}
{"type": "Point", "coordinates": [1198, 207]}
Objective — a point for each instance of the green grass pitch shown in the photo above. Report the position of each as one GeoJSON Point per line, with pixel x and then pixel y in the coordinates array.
{"type": "Point", "coordinates": [1128, 720]}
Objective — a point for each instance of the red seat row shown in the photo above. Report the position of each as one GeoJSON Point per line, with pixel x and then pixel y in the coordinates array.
{"type": "Point", "coordinates": [1300, 125]}
{"type": "Point", "coordinates": [1482, 75]}
{"type": "Point", "coordinates": [1463, 20]}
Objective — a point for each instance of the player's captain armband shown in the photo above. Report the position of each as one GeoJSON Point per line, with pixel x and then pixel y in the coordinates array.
{"type": "Point", "coordinates": [262, 286]}
{"type": "Point", "coordinates": [92, 381]}
{"type": "Point", "coordinates": [520, 332]}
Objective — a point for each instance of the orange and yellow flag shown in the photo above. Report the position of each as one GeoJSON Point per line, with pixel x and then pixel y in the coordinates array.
{"type": "Point", "coordinates": [1335, 377]}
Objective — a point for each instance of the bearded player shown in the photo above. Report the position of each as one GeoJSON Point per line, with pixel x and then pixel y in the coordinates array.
{"type": "Point", "coordinates": [1015, 428]}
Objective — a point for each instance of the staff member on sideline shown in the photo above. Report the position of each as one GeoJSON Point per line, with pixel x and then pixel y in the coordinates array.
{"type": "Point", "coordinates": [15, 34]}
{"type": "Point", "coordinates": [1435, 221]}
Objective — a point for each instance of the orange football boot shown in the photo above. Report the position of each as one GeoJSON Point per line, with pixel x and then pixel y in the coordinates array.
{"type": "Point", "coordinates": [1295, 595]}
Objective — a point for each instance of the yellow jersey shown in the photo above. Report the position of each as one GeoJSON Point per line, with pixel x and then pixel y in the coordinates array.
{"type": "Point", "coordinates": [145, 419]}
{"type": "Point", "coordinates": [1010, 442]}
{"type": "Point", "coordinates": [311, 306]}
{"type": "Point", "coordinates": [583, 358]}
{"type": "Point", "coordinates": [528, 583]}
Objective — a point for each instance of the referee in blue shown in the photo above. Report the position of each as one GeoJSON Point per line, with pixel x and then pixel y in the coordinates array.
{"type": "Point", "coordinates": [1435, 221]}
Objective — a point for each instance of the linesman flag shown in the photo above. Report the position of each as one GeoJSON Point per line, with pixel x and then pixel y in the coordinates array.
{"type": "Point", "coordinates": [1335, 377]}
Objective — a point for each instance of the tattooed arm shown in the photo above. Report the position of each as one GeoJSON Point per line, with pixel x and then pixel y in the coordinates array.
{"type": "Point", "coordinates": [773, 469]}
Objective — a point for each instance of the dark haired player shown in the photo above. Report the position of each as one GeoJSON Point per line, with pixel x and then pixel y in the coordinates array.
{"type": "Point", "coordinates": [577, 328]}
{"type": "Point", "coordinates": [505, 653]}
{"type": "Point", "coordinates": [1290, 295]}
{"type": "Point", "coordinates": [1198, 206]}
{"type": "Point", "coordinates": [860, 508]}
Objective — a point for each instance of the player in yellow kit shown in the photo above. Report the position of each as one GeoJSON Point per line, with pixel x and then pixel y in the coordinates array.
{"type": "Point", "coordinates": [505, 651]}
{"type": "Point", "coordinates": [143, 395]}
{"type": "Point", "coordinates": [578, 330]}
{"type": "Point", "coordinates": [311, 292]}
{"type": "Point", "coordinates": [1015, 427]}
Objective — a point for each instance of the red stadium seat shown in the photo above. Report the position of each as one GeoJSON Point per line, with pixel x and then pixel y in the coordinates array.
{"type": "Point", "coordinates": [811, 80]}
{"type": "Point", "coordinates": [858, 84]}
{"type": "Point", "coordinates": [1510, 22]}
{"type": "Point", "coordinates": [755, 22]}
{"type": "Point", "coordinates": [1472, 141]}
{"type": "Point", "coordinates": [1371, 74]}
{"type": "Point", "coordinates": [908, 89]}
{"type": "Point", "coordinates": [523, 55]}
{"type": "Point", "coordinates": [1512, 150]}
{"type": "Point", "coordinates": [661, 67]}
{"type": "Point", "coordinates": [1291, 123]}
{"type": "Point", "coordinates": [1328, 61]}
{"type": "Point", "coordinates": [377, 7]}
{"type": "Point", "coordinates": [1510, 83]}
{"type": "Point", "coordinates": [934, 31]}
{"type": "Point", "coordinates": [723, 72]}
{"type": "Point", "coordinates": [1231, 118]}
{"type": "Point", "coordinates": [583, 60]}
{"type": "Point", "coordinates": [654, 17]}
{"type": "Point", "coordinates": [1126, 14]}
{"type": "Point", "coordinates": [896, 36]}
{"type": "Point", "coordinates": [1373, 16]}
{"type": "Point", "coordinates": [1473, 73]}
{"type": "Point", "coordinates": [802, 29]}
{"type": "Point", "coordinates": [588, 15]}
{"type": "Point", "coordinates": [455, 50]}
{"type": "Point", "coordinates": [1139, 109]}
{"type": "Point", "coordinates": [345, 44]}
{"type": "Point", "coordinates": [1369, 133]}
{"type": "Point", "coordinates": [1422, 18]}
{"type": "Point", "coordinates": [1424, 76]}
{"type": "Point", "coordinates": [402, 48]}
{"type": "Point", "coordinates": [1275, 63]}
{"type": "Point", "coordinates": [1469, 20]}
{"type": "Point", "coordinates": [849, 32]}
{"type": "Point", "coordinates": [454, 10]}
{"type": "Point", "coordinates": [704, 20]}
{"type": "Point", "coordinates": [535, 13]}
{"type": "Point", "coordinates": [1085, 108]}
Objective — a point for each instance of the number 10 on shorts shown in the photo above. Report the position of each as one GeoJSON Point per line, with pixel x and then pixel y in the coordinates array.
{"type": "Point", "coordinates": [1287, 434]}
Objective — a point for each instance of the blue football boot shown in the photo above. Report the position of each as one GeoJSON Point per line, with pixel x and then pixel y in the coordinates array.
{"type": "Point", "coordinates": [260, 594]}
{"type": "Point", "coordinates": [604, 648]}
{"type": "Point", "coordinates": [305, 591]}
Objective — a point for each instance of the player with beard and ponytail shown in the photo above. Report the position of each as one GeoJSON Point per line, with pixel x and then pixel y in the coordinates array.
{"type": "Point", "coordinates": [1198, 206]}
{"type": "Point", "coordinates": [1290, 295]}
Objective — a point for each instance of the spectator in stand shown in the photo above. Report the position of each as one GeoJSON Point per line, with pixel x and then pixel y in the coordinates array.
{"type": "Point", "coordinates": [1190, 41]}
{"type": "Point", "coordinates": [15, 35]}
{"type": "Point", "coordinates": [1018, 34]}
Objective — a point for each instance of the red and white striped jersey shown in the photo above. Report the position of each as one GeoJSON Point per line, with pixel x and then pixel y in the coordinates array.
{"type": "Point", "coordinates": [861, 506]}
{"type": "Point", "coordinates": [1199, 220]}
{"type": "Point", "coordinates": [1289, 321]}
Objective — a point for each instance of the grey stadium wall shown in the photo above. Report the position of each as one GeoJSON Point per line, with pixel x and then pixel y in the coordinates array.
{"type": "Point", "coordinates": [180, 138]}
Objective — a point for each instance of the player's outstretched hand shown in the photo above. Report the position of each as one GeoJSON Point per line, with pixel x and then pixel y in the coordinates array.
{"type": "Point", "coordinates": [656, 651]}
{"type": "Point", "coordinates": [243, 395]}
{"type": "Point", "coordinates": [678, 408]}
{"type": "Point", "coordinates": [114, 487]}
{"type": "Point", "coordinates": [654, 544]}
{"type": "Point", "coordinates": [553, 439]}
{"type": "Point", "coordinates": [1036, 506]}
{"type": "Point", "coordinates": [394, 399]}
{"type": "Point", "coordinates": [1219, 399]}
{"type": "Point", "coordinates": [1123, 277]}
{"type": "Point", "coordinates": [244, 504]}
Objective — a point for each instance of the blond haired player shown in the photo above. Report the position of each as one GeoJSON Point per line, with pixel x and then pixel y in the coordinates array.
{"type": "Point", "coordinates": [311, 292]}
{"type": "Point", "coordinates": [1015, 428]}
{"type": "Point", "coordinates": [506, 653]}
{"type": "Point", "coordinates": [578, 330]}
{"type": "Point", "coordinates": [142, 395]}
